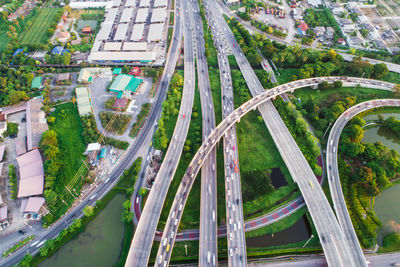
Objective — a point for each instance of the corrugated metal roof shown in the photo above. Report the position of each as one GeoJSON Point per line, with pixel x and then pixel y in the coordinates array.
{"type": "Point", "coordinates": [134, 46]}
{"type": "Point", "coordinates": [126, 15]}
{"type": "Point", "coordinates": [36, 82]}
{"type": "Point", "coordinates": [127, 56]}
{"type": "Point", "coordinates": [137, 32]}
{"type": "Point", "coordinates": [120, 82]}
{"type": "Point", "coordinates": [34, 204]}
{"type": "Point", "coordinates": [155, 32]}
{"type": "Point", "coordinates": [112, 46]}
{"type": "Point", "coordinates": [158, 3]}
{"type": "Point", "coordinates": [158, 14]}
{"type": "Point", "coordinates": [121, 32]}
{"type": "Point", "coordinates": [144, 3]}
{"type": "Point", "coordinates": [31, 174]}
{"type": "Point", "coordinates": [142, 15]}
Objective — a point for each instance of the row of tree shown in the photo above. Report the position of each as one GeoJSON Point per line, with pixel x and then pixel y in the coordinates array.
{"type": "Point", "coordinates": [170, 108]}
{"type": "Point", "coordinates": [49, 144]}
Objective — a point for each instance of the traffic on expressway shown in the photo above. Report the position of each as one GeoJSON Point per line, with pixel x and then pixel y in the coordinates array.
{"type": "Point", "coordinates": [332, 163]}
{"type": "Point", "coordinates": [229, 121]}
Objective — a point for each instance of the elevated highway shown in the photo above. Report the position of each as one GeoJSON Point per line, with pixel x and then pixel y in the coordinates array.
{"type": "Point", "coordinates": [339, 202]}
{"type": "Point", "coordinates": [330, 234]}
{"type": "Point", "coordinates": [233, 192]}
{"type": "Point", "coordinates": [139, 251]}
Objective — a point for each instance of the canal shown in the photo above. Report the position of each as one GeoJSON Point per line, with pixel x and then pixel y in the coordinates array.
{"type": "Point", "coordinates": [386, 202]}
{"type": "Point", "coordinates": [300, 231]}
{"type": "Point", "coordinates": [100, 244]}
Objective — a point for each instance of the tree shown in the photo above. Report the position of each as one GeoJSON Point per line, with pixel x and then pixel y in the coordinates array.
{"type": "Point", "coordinates": [380, 70]}
{"type": "Point", "coordinates": [127, 204]}
{"type": "Point", "coordinates": [15, 97]}
{"type": "Point", "coordinates": [66, 58]}
{"type": "Point", "coordinates": [49, 138]}
{"type": "Point", "coordinates": [142, 191]}
{"type": "Point", "coordinates": [88, 211]}
{"type": "Point", "coordinates": [26, 261]}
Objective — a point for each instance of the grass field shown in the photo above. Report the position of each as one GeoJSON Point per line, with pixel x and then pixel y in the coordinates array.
{"type": "Point", "coordinates": [36, 34]}
{"type": "Point", "coordinates": [3, 39]}
{"type": "Point", "coordinates": [69, 132]}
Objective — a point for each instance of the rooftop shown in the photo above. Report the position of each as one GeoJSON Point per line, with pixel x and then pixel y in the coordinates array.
{"type": "Point", "coordinates": [31, 174]}
{"type": "Point", "coordinates": [36, 83]}
{"type": "Point", "coordinates": [34, 204]}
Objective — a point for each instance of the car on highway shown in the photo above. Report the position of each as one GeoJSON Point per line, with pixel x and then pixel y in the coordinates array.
{"type": "Point", "coordinates": [168, 246]}
{"type": "Point", "coordinates": [311, 184]}
{"type": "Point", "coordinates": [183, 116]}
{"type": "Point", "coordinates": [236, 169]}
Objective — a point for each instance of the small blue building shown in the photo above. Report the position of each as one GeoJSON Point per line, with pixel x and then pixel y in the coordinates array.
{"type": "Point", "coordinates": [57, 50]}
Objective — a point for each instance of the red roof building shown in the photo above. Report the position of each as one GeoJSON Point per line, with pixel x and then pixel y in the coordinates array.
{"type": "Point", "coordinates": [120, 103]}
{"type": "Point", "coordinates": [302, 29]}
{"type": "Point", "coordinates": [135, 71]}
{"type": "Point", "coordinates": [87, 30]}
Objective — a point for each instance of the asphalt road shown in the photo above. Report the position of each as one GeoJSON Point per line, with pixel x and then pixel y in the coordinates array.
{"type": "Point", "coordinates": [333, 171]}
{"type": "Point", "coordinates": [335, 247]}
{"type": "Point", "coordinates": [208, 252]}
{"type": "Point", "coordinates": [391, 66]}
{"type": "Point", "coordinates": [233, 193]}
{"type": "Point", "coordinates": [125, 161]}
{"type": "Point", "coordinates": [143, 239]}
{"type": "Point", "coordinates": [330, 234]}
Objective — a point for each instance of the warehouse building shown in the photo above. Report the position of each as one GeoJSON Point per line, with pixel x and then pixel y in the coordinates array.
{"type": "Point", "coordinates": [155, 32]}
{"type": "Point", "coordinates": [137, 32]}
{"type": "Point", "coordinates": [160, 3]}
{"type": "Point", "coordinates": [142, 15]}
{"type": "Point", "coordinates": [144, 3]}
{"type": "Point", "coordinates": [83, 100]}
{"type": "Point", "coordinates": [86, 75]}
{"type": "Point", "coordinates": [125, 83]}
{"type": "Point", "coordinates": [159, 15]}
{"type": "Point", "coordinates": [31, 174]}
{"type": "Point", "coordinates": [126, 15]}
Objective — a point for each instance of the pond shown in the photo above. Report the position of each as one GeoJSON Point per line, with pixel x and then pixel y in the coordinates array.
{"type": "Point", "coordinates": [88, 22]}
{"type": "Point", "coordinates": [100, 244]}
{"type": "Point", "coordinates": [300, 231]}
{"type": "Point", "coordinates": [277, 178]}
{"type": "Point", "coordinates": [385, 203]}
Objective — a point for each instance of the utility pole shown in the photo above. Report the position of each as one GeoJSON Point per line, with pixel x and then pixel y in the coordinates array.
{"type": "Point", "coordinates": [327, 130]}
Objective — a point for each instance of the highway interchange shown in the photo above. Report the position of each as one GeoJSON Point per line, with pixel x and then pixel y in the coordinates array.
{"type": "Point", "coordinates": [333, 171]}
{"type": "Point", "coordinates": [222, 128]}
{"type": "Point", "coordinates": [144, 235]}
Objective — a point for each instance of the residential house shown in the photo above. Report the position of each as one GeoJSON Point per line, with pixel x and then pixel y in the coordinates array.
{"type": "Point", "coordinates": [329, 33]}
{"type": "Point", "coordinates": [388, 36]}
{"type": "Point", "coordinates": [341, 41]}
{"type": "Point", "coordinates": [87, 30]}
{"type": "Point", "coordinates": [380, 44]}
{"type": "Point", "coordinates": [39, 55]}
{"type": "Point", "coordinates": [302, 29]}
{"type": "Point", "coordinates": [319, 31]}
{"type": "Point", "coordinates": [57, 50]}
{"type": "Point", "coordinates": [63, 37]}
{"type": "Point", "coordinates": [355, 40]}
{"type": "Point", "coordinates": [336, 9]}
{"type": "Point", "coordinates": [347, 25]}
{"type": "Point", "coordinates": [62, 78]}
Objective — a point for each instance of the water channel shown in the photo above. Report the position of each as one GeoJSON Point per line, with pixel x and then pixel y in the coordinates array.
{"type": "Point", "coordinates": [100, 244]}
{"type": "Point", "coordinates": [385, 203]}
{"type": "Point", "coordinates": [300, 231]}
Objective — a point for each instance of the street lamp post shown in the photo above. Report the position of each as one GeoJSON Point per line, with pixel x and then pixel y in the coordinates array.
{"type": "Point", "coordinates": [308, 241]}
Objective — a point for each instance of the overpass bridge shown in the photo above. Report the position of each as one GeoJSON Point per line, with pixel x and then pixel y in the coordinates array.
{"type": "Point", "coordinates": [332, 238]}
{"type": "Point", "coordinates": [339, 202]}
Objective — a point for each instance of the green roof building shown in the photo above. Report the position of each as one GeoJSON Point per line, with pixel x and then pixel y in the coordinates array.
{"type": "Point", "coordinates": [37, 83]}
{"type": "Point", "coordinates": [117, 71]}
{"type": "Point", "coordinates": [125, 83]}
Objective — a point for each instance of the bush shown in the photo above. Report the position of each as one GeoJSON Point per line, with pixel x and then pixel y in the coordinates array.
{"type": "Point", "coordinates": [12, 129]}
{"type": "Point", "coordinates": [13, 181]}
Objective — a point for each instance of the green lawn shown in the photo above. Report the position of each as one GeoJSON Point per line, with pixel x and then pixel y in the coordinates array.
{"type": "Point", "coordinates": [69, 132]}
{"type": "Point", "coordinates": [285, 75]}
{"type": "Point", "coordinates": [215, 84]}
{"type": "Point", "coordinates": [258, 154]}
{"type": "Point", "coordinates": [362, 94]}
{"type": "Point", "coordinates": [36, 34]}
{"type": "Point", "coordinates": [392, 77]}
{"type": "Point", "coordinates": [3, 39]}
